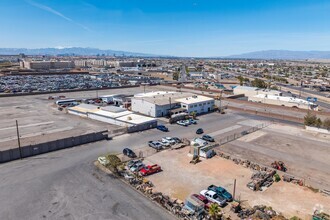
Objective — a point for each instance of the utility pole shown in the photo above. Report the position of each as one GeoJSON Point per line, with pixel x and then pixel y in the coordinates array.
{"type": "Point", "coordinates": [234, 189]}
{"type": "Point", "coordinates": [19, 142]}
{"type": "Point", "coordinates": [97, 94]}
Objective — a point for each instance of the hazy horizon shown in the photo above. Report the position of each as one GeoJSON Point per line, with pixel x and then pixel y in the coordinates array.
{"type": "Point", "coordinates": [174, 28]}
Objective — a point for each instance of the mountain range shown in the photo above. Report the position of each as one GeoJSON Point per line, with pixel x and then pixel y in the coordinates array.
{"type": "Point", "coordinates": [87, 51]}
{"type": "Point", "coordinates": [83, 51]}
{"type": "Point", "coordinates": [284, 55]}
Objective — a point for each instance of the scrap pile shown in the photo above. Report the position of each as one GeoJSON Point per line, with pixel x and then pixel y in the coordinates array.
{"type": "Point", "coordinates": [292, 179]}
{"type": "Point", "coordinates": [244, 163]}
{"type": "Point", "coordinates": [259, 212]}
{"type": "Point", "coordinates": [279, 165]}
{"type": "Point", "coordinates": [261, 179]}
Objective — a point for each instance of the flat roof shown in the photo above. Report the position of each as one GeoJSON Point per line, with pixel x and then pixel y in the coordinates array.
{"type": "Point", "coordinates": [84, 108]}
{"type": "Point", "coordinates": [113, 115]}
{"type": "Point", "coordinates": [285, 99]}
{"type": "Point", "coordinates": [150, 94]}
{"type": "Point", "coordinates": [136, 119]}
{"type": "Point", "coordinates": [113, 109]}
{"type": "Point", "coordinates": [194, 99]}
{"type": "Point", "coordinates": [164, 99]}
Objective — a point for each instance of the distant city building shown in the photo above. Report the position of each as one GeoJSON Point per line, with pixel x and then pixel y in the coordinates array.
{"type": "Point", "coordinates": [46, 65]}
{"type": "Point", "coordinates": [80, 63]}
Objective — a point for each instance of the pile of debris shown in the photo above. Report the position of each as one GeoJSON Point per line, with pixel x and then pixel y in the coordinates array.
{"type": "Point", "coordinates": [279, 165]}
{"type": "Point", "coordinates": [259, 212]}
{"type": "Point", "coordinates": [261, 179]}
{"type": "Point", "coordinates": [292, 179]}
{"type": "Point", "coordinates": [244, 163]}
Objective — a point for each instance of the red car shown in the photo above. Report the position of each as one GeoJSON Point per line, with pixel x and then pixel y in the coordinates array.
{"type": "Point", "coordinates": [150, 169]}
{"type": "Point", "coordinates": [203, 199]}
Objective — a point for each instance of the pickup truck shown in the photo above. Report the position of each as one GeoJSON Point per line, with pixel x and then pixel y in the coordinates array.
{"type": "Point", "coordinates": [222, 192]}
{"type": "Point", "coordinates": [214, 197]}
{"type": "Point", "coordinates": [150, 169]}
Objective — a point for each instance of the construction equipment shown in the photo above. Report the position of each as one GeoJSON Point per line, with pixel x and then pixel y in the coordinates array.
{"type": "Point", "coordinates": [279, 165]}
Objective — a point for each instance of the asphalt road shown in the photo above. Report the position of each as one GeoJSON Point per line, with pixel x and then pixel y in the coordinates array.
{"type": "Point", "coordinates": [66, 185]}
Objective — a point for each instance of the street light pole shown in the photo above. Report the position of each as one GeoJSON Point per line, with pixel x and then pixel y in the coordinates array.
{"type": "Point", "coordinates": [19, 142]}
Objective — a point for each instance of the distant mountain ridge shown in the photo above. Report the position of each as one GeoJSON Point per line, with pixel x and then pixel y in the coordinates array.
{"type": "Point", "coordinates": [84, 51]}
{"type": "Point", "coordinates": [283, 54]}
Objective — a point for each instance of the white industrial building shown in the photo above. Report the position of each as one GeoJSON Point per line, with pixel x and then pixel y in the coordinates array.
{"type": "Point", "coordinates": [108, 98]}
{"type": "Point", "coordinates": [159, 104]}
{"type": "Point", "coordinates": [284, 101]}
{"type": "Point", "coordinates": [114, 115]}
{"type": "Point", "coordinates": [249, 91]}
{"type": "Point", "coordinates": [197, 103]}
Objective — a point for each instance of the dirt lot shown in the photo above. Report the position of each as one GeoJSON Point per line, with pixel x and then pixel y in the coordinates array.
{"type": "Point", "coordinates": [305, 154]}
{"type": "Point", "coordinates": [39, 121]}
{"type": "Point", "coordinates": [179, 179]}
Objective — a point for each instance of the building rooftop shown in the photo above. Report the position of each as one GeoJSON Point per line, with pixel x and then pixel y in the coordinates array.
{"type": "Point", "coordinates": [84, 108]}
{"type": "Point", "coordinates": [113, 115]}
{"type": "Point", "coordinates": [113, 109]}
{"type": "Point", "coordinates": [136, 119]}
{"type": "Point", "coordinates": [165, 98]}
{"type": "Point", "coordinates": [151, 94]}
{"type": "Point", "coordinates": [284, 99]}
{"type": "Point", "coordinates": [194, 99]}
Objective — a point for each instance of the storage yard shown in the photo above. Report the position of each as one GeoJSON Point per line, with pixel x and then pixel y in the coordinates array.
{"type": "Point", "coordinates": [287, 198]}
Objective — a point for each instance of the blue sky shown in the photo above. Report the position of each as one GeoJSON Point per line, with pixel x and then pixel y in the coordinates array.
{"type": "Point", "coordinates": [172, 27]}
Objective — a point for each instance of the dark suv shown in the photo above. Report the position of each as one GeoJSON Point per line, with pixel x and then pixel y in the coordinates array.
{"type": "Point", "coordinates": [128, 152]}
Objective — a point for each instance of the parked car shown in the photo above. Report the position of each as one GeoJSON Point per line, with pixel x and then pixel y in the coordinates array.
{"type": "Point", "coordinates": [169, 139]}
{"type": "Point", "coordinates": [200, 131]}
{"type": "Point", "coordinates": [208, 138]}
{"type": "Point", "coordinates": [137, 167]}
{"type": "Point", "coordinates": [164, 143]}
{"type": "Point", "coordinates": [221, 191]}
{"type": "Point", "coordinates": [103, 160]}
{"type": "Point", "coordinates": [177, 140]}
{"type": "Point", "coordinates": [155, 144]}
{"type": "Point", "coordinates": [132, 163]}
{"type": "Point", "coordinates": [128, 152]}
{"type": "Point", "coordinates": [192, 121]}
{"type": "Point", "coordinates": [214, 197]}
{"type": "Point", "coordinates": [203, 199]}
{"type": "Point", "coordinates": [150, 169]}
{"type": "Point", "coordinates": [162, 128]}
{"type": "Point", "coordinates": [182, 123]}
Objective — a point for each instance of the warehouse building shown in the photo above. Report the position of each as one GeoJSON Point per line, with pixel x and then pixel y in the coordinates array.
{"type": "Point", "coordinates": [114, 115]}
{"type": "Point", "coordinates": [249, 91]}
{"type": "Point", "coordinates": [161, 103]}
{"type": "Point", "coordinates": [197, 103]}
{"type": "Point", "coordinates": [284, 101]}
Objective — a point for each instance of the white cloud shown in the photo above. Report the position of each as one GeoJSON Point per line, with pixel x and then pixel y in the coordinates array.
{"type": "Point", "coordinates": [57, 13]}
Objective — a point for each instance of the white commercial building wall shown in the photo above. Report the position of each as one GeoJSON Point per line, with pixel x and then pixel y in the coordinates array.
{"type": "Point", "coordinates": [199, 107]}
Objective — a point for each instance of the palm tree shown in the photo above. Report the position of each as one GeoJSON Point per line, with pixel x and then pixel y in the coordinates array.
{"type": "Point", "coordinates": [214, 211]}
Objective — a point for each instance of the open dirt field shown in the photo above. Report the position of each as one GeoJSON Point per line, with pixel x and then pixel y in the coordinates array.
{"type": "Point", "coordinates": [305, 154]}
{"type": "Point", "coordinates": [180, 178]}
